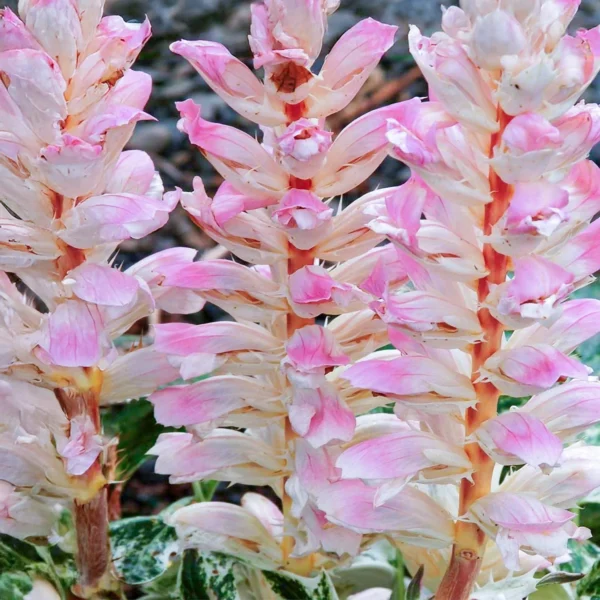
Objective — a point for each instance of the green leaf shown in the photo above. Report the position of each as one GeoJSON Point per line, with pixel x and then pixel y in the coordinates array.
{"type": "Point", "coordinates": [137, 430]}
{"type": "Point", "coordinates": [16, 555]}
{"type": "Point", "coordinates": [377, 566]}
{"type": "Point", "coordinates": [589, 516]}
{"type": "Point", "coordinates": [583, 556]}
{"type": "Point", "coordinates": [558, 577]}
{"type": "Point", "coordinates": [15, 586]}
{"type": "Point", "coordinates": [200, 574]}
{"type": "Point", "coordinates": [507, 402]}
{"type": "Point", "coordinates": [20, 561]}
{"type": "Point", "coordinates": [163, 587]}
{"type": "Point", "coordinates": [550, 592]}
{"type": "Point", "coordinates": [289, 586]}
{"type": "Point", "coordinates": [413, 592]}
{"type": "Point", "coordinates": [142, 548]}
{"type": "Point", "coordinates": [590, 584]}
{"type": "Point", "coordinates": [64, 566]}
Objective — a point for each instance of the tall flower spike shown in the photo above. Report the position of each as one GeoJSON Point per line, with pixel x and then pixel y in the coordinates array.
{"type": "Point", "coordinates": [502, 146]}
{"type": "Point", "coordinates": [68, 105]}
{"type": "Point", "coordinates": [281, 376]}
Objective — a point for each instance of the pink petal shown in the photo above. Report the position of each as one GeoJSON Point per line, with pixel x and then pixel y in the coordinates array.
{"type": "Point", "coordinates": [237, 156]}
{"type": "Point", "coordinates": [515, 437]}
{"type": "Point", "coordinates": [232, 80]}
{"type": "Point", "coordinates": [104, 285]}
{"type": "Point", "coordinates": [321, 416]}
{"type": "Point", "coordinates": [212, 338]}
{"type": "Point", "coordinates": [541, 366]}
{"type": "Point", "coordinates": [203, 401]}
{"type": "Point", "coordinates": [72, 335]}
{"type": "Point", "coordinates": [351, 60]}
{"type": "Point", "coordinates": [409, 375]}
{"type": "Point", "coordinates": [410, 513]}
{"type": "Point", "coordinates": [314, 348]}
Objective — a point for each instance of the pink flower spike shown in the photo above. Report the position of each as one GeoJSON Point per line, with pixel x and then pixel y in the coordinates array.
{"type": "Point", "coordinates": [83, 446]}
{"type": "Point", "coordinates": [515, 438]}
{"type": "Point", "coordinates": [238, 157]}
{"type": "Point", "coordinates": [320, 416]}
{"type": "Point", "coordinates": [232, 80]}
{"type": "Point", "coordinates": [350, 62]}
{"type": "Point", "coordinates": [530, 369]}
{"type": "Point", "coordinates": [310, 351]}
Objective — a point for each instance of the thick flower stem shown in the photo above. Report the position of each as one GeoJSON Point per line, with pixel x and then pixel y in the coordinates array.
{"type": "Point", "coordinates": [469, 540]}
{"type": "Point", "coordinates": [91, 507]}
{"type": "Point", "coordinates": [296, 260]}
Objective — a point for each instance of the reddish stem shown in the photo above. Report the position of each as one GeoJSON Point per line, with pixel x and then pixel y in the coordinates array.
{"type": "Point", "coordinates": [469, 544]}
{"type": "Point", "coordinates": [91, 507]}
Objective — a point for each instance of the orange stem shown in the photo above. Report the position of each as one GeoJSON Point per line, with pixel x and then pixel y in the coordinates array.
{"type": "Point", "coordinates": [470, 540]}
{"type": "Point", "coordinates": [91, 508]}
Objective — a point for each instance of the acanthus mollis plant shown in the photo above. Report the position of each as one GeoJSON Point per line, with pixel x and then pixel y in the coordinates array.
{"type": "Point", "coordinates": [493, 251]}
{"type": "Point", "coordinates": [68, 104]}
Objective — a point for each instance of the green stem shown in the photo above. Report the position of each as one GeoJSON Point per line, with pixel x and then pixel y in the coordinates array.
{"type": "Point", "coordinates": [204, 490]}
{"type": "Point", "coordinates": [399, 591]}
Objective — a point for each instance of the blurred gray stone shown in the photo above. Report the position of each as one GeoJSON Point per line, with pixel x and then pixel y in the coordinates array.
{"type": "Point", "coordinates": [151, 137]}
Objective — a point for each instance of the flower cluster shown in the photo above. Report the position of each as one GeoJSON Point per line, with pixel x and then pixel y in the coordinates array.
{"type": "Point", "coordinates": [494, 230]}
{"type": "Point", "coordinates": [69, 196]}
{"type": "Point", "coordinates": [488, 237]}
{"type": "Point", "coordinates": [277, 407]}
